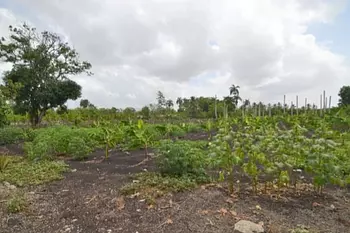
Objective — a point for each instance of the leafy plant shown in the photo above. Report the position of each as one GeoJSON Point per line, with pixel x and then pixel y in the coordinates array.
{"type": "Point", "coordinates": [78, 148]}
{"type": "Point", "coordinates": [142, 135]}
{"type": "Point", "coordinates": [108, 136]}
{"type": "Point", "coordinates": [16, 203]}
{"type": "Point", "coordinates": [152, 185]}
{"type": "Point", "coordinates": [10, 135]}
{"type": "Point", "coordinates": [4, 162]}
{"type": "Point", "coordinates": [22, 172]}
{"type": "Point", "coordinates": [181, 158]}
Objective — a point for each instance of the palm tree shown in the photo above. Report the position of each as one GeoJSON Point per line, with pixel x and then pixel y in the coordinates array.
{"type": "Point", "coordinates": [234, 91]}
{"type": "Point", "coordinates": [179, 101]}
{"type": "Point", "coordinates": [246, 103]}
{"type": "Point", "coordinates": [169, 104]}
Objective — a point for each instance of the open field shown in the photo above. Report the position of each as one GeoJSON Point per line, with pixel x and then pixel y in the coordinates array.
{"type": "Point", "coordinates": [283, 173]}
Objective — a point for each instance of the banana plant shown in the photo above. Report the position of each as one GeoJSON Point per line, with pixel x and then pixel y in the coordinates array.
{"type": "Point", "coordinates": [141, 134]}
{"type": "Point", "coordinates": [108, 136]}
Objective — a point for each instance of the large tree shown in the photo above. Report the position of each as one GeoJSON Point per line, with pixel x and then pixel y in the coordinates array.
{"type": "Point", "coordinates": [344, 95]}
{"type": "Point", "coordinates": [39, 78]}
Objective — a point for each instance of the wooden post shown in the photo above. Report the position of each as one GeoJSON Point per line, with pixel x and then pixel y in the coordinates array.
{"type": "Point", "coordinates": [321, 105]}
{"type": "Point", "coordinates": [330, 103]}
{"type": "Point", "coordinates": [324, 102]}
{"type": "Point", "coordinates": [216, 109]}
{"type": "Point", "coordinates": [306, 105]}
{"type": "Point", "coordinates": [284, 104]}
{"type": "Point", "coordinates": [291, 108]}
{"type": "Point", "coordinates": [297, 103]}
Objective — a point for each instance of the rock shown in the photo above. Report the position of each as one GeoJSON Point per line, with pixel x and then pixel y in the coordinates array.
{"type": "Point", "coordinates": [245, 226]}
{"type": "Point", "coordinates": [9, 186]}
{"type": "Point", "coordinates": [11, 222]}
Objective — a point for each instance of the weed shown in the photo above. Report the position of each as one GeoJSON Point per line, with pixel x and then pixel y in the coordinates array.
{"type": "Point", "coordinates": [22, 172]}
{"type": "Point", "coordinates": [9, 135]}
{"type": "Point", "coordinates": [181, 158]}
{"type": "Point", "coordinates": [152, 185]}
{"type": "Point", "coordinates": [4, 161]}
{"type": "Point", "coordinates": [17, 203]}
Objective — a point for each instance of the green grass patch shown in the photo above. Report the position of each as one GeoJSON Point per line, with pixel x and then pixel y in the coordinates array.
{"type": "Point", "coordinates": [151, 185]}
{"type": "Point", "coordinates": [17, 203]}
{"type": "Point", "coordinates": [22, 172]}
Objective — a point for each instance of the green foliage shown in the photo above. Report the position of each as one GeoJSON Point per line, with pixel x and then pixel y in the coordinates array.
{"type": "Point", "coordinates": [42, 63]}
{"type": "Point", "coordinates": [63, 140]}
{"type": "Point", "coordinates": [141, 135]}
{"type": "Point", "coordinates": [78, 148]}
{"type": "Point", "coordinates": [22, 172]}
{"type": "Point", "coordinates": [181, 158]}
{"type": "Point", "coordinates": [17, 203]}
{"type": "Point", "coordinates": [261, 149]}
{"type": "Point", "coordinates": [10, 135]}
{"type": "Point", "coordinates": [154, 184]}
{"type": "Point", "coordinates": [4, 162]}
{"type": "Point", "coordinates": [109, 136]}
{"type": "Point", "coordinates": [4, 111]}
{"type": "Point", "coordinates": [344, 95]}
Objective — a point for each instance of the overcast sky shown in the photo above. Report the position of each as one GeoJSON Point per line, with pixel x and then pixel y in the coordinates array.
{"type": "Point", "coordinates": [198, 47]}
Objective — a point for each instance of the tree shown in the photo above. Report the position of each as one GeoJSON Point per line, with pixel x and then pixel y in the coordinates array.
{"type": "Point", "coordinates": [84, 103]}
{"type": "Point", "coordinates": [234, 91]}
{"type": "Point", "coordinates": [344, 95]}
{"type": "Point", "coordinates": [179, 102]}
{"type": "Point", "coordinates": [42, 64]}
{"type": "Point", "coordinates": [161, 100]}
{"type": "Point", "coordinates": [169, 104]}
{"type": "Point", "coordinates": [145, 112]}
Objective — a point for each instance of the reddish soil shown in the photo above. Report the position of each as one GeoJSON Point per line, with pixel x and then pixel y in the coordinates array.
{"type": "Point", "coordinates": [86, 201]}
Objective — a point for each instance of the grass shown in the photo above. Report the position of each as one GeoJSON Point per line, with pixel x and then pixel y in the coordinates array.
{"type": "Point", "coordinates": [17, 203]}
{"type": "Point", "coordinates": [22, 172]}
{"type": "Point", "coordinates": [4, 162]}
{"type": "Point", "coordinates": [151, 185]}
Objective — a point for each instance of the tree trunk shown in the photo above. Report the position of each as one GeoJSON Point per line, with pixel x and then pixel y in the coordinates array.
{"type": "Point", "coordinates": [36, 117]}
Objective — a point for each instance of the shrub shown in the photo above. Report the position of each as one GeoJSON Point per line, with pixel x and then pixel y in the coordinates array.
{"type": "Point", "coordinates": [62, 140]}
{"type": "Point", "coordinates": [16, 203]}
{"type": "Point", "coordinates": [181, 158]}
{"type": "Point", "coordinates": [9, 135]}
{"type": "Point", "coordinates": [78, 148]}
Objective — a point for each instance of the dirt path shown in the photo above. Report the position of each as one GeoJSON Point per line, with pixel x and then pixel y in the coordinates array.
{"type": "Point", "coordinates": [86, 201]}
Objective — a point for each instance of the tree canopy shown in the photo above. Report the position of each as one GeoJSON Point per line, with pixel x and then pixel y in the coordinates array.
{"type": "Point", "coordinates": [40, 76]}
{"type": "Point", "coordinates": [344, 95]}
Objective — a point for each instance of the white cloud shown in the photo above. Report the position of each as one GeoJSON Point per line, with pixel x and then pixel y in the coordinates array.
{"type": "Point", "coordinates": [193, 47]}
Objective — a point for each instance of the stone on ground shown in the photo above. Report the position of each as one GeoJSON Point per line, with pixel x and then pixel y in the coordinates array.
{"type": "Point", "coordinates": [245, 226]}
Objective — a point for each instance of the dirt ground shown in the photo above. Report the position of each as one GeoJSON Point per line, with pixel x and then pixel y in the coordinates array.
{"type": "Point", "coordinates": [87, 200]}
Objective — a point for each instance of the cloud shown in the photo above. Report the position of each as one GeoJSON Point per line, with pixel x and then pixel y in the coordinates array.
{"type": "Point", "coordinates": [193, 47]}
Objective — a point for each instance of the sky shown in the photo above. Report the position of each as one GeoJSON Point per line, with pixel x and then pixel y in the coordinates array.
{"type": "Point", "coordinates": [184, 48]}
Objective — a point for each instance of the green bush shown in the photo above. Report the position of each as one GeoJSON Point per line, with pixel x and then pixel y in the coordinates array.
{"type": "Point", "coordinates": [181, 158]}
{"type": "Point", "coordinates": [9, 135]}
{"type": "Point", "coordinates": [62, 140]}
{"type": "Point", "coordinates": [78, 148]}
{"type": "Point", "coordinates": [177, 131]}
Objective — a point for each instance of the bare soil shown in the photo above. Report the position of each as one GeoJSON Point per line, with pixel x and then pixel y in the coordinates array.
{"type": "Point", "coordinates": [88, 200]}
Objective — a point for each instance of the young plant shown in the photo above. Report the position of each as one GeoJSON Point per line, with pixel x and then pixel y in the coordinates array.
{"type": "Point", "coordinates": [4, 162]}
{"type": "Point", "coordinates": [142, 135]}
{"type": "Point", "coordinates": [108, 137]}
